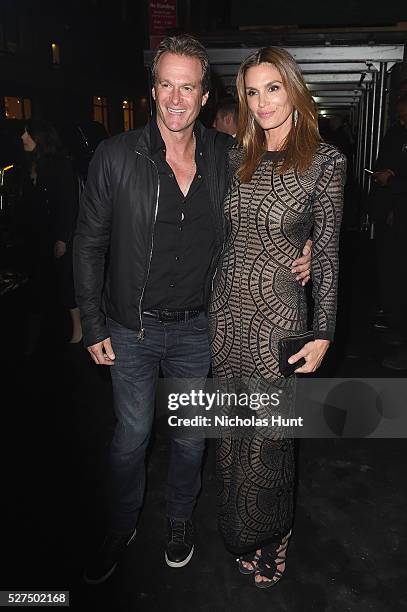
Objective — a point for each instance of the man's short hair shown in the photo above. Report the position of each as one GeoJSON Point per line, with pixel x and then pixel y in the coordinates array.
{"type": "Point", "coordinates": [228, 106]}
{"type": "Point", "coordinates": [187, 45]}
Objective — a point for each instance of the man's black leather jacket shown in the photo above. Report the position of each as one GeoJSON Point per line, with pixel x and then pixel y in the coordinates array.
{"type": "Point", "coordinates": [113, 242]}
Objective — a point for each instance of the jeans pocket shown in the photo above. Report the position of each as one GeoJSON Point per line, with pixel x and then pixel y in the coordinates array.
{"type": "Point", "coordinates": [200, 323]}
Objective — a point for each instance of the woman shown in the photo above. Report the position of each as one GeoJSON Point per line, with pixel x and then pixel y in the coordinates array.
{"type": "Point", "coordinates": [50, 203]}
{"type": "Point", "coordinates": [287, 186]}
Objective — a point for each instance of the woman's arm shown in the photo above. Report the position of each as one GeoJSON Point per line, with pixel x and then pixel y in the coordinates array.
{"type": "Point", "coordinates": [327, 215]}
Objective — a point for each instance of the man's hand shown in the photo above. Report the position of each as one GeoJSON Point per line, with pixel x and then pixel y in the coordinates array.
{"type": "Point", "coordinates": [59, 249]}
{"type": "Point", "coordinates": [313, 353]}
{"type": "Point", "coordinates": [301, 267]}
{"type": "Point", "coordinates": [381, 177]}
{"type": "Point", "coordinates": [102, 352]}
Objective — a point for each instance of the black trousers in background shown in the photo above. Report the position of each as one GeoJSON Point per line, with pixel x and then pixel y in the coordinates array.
{"type": "Point", "coordinates": [391, 251]}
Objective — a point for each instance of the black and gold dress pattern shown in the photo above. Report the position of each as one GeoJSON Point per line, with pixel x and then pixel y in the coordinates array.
{"type": "Point", "coordinates": [256, 301]}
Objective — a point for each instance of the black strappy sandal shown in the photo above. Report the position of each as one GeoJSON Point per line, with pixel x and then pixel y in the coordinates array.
{"type": "Point", "coordinates": [271, 557]}
{"type": "Point", "coordinates": [250, 558]}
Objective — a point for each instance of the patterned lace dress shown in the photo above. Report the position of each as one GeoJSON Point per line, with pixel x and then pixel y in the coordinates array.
{"type": "Point", "coordinates": [256, 301]}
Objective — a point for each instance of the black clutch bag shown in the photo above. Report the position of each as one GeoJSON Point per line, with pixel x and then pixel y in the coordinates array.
{"type": "Point", "coordinates": [289, 346]}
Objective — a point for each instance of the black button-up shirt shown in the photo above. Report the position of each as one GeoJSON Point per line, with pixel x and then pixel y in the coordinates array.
{"type": "Point", "coordinates": [184, 236]}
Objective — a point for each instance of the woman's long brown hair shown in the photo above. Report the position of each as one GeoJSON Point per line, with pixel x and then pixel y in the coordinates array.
{"type": "Point", "coordinates": [303, 138]}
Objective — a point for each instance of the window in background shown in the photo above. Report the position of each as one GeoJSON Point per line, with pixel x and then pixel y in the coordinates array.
{"type": "Point", "coordinates": [100, 110]}
{"type": "Point", "coordinates": [56, 57]}
{"type": "Point", "coordinates": [17, 108]}
{"type": "Point", "coordinates": [128, 115]}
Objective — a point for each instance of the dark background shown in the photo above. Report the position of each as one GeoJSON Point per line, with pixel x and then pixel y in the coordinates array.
{"type": "Point", "coordinates": [318, 13]}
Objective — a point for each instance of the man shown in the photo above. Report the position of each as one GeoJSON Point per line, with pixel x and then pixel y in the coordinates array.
{"type": "Point", "coordinates": [226, 116]}
{"type": "Point", "coordinates": [389, 209]}
{"type": "Point", "coordinates": [153, 199]}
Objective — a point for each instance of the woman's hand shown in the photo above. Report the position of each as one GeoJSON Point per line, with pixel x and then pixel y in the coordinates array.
{"type": "Point", "coordinates": [59, 249]}
{"type": "Point", "coordinates": [301, 266]}
{"type": "Point", "coordinates": [313, 353]}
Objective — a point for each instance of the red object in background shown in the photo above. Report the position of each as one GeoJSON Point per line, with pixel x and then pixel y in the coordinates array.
{"type": "Point", "coordinates": [162, 16]}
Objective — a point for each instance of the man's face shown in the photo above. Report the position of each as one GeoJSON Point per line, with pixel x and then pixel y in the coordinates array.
{"type": "Point", "coordinates": [178, 91]}
{"type": "Point", "coordinates": [28, 143]}
{"type": "Point", "coordinates": [224, 123]}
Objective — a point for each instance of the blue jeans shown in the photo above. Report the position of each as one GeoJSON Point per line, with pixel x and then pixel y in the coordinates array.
{"type": "Point", "coordinates": [182, 350]}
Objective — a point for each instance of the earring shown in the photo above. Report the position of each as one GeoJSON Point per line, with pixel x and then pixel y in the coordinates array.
{"type": "Point", "coordinates": [295, 117]}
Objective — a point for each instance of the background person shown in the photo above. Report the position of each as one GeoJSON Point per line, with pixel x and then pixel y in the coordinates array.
{"type": "Point", "coordinates": [226, 116]}
{"type": "Point", "coordinates": [48, 212]}
{"type": "Point", "coordinates": [388, 205]}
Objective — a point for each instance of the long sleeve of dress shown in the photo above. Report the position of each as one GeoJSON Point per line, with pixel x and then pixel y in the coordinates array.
{"type": "Point", "coordinates": [327, 205]}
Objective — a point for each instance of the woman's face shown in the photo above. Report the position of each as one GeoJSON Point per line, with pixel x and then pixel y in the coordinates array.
{"type": "Point", "coordinates": [267, 98]}
{"type": "Point", "coordinates": [28, 143]}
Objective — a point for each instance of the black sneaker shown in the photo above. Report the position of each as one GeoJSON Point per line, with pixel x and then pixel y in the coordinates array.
{"type": "Point", "coordinates": [104, 561]}
{"type": "Point", "coordinates": [180, 547]}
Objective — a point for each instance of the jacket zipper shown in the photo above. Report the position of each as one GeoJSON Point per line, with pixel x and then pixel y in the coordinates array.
{"type": "Point", "coordinates": [216, 187]}
{"type": "Point", "coordinates": [140, 335]}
